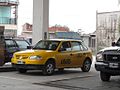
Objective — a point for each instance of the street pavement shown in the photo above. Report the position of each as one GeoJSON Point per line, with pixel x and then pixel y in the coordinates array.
{"type": "Point", "coordinates": [70, 79]}
{"type": "Point", "coordinates": [86, 83]}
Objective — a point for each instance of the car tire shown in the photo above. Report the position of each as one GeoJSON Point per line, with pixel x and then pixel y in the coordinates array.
{"type": "Point", "coordinates": [22, 70]}
{"type": "Point", "coordinates": [104, 76]}
{"type": "Point", "coordinates": [48, 68]}
{"type": "Point", "coordinates": [86, 66]}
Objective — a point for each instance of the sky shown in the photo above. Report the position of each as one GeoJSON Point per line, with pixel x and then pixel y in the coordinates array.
{"type": "Point", "coordinates": [75, 14]}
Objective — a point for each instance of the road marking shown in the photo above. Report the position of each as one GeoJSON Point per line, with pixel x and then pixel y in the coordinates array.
{"type": "Point", "coordinates": [13, 78]}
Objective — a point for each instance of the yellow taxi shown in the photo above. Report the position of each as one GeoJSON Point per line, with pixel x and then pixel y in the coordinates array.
{"type": "Point", "coordinates": [48, 55]}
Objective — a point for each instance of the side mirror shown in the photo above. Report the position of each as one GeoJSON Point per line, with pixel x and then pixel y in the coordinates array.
{"type": "Point", "coordinates": [113, 43]}
{"type": "Point", "coordinates": [29, 47]}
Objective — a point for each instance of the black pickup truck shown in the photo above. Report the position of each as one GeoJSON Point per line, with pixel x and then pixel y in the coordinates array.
{"type": "Point", "coordinates": [108, 61]}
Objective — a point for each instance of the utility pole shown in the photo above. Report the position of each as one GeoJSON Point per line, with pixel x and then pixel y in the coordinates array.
{"type": "Point", "coordinates": [96, 33]}
{"type": "Point", "coordinates": [40, 20]}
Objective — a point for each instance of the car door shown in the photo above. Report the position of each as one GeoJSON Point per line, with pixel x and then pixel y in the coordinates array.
{"type": "Point", "coordinates": [64, 55]}
{"type": "Point", "coordinates": [78, 53]}
{"type": "Point", "coordinates": [2, 46]}
{"type": "Point", "coordinates": [2, 50]}
{"type": "Point", "coordinates": [11, 47]}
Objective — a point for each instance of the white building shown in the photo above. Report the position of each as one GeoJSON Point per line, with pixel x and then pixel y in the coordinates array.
{"type": "Point", "coordinates": [9, 16]}
{"type": "Point", "coordinates": [107, 28]}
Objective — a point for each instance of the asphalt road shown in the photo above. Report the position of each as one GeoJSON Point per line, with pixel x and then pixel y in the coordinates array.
{"type": "Point", "coordinates": [70, 79]}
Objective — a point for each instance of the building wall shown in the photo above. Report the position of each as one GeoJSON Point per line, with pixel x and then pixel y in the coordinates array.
{"type": "Point", "coordinates": [90, 41]}
{"type": "Point", "coordinates": [8, 16]}
{"type": "Point", "coordinates": [13, 0]}
{"type": "Point", "coordinates": [5, 14]}
{"type": "Point", "coordinates": [86, 40]}
{"type": "Point", "coordinates": [5, 11]}
{"type": "Point", "coordinates": [107, 28]}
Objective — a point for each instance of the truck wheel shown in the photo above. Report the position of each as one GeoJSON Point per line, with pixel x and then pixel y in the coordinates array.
{"type": "Point", "coordinates": [49, 68]}
{"type": "Point", "coordinates": [86, 66]}
{"type": "Point", "coordinates": [22, 70]}
{"type": "Point", "coordinates": [104, 76]}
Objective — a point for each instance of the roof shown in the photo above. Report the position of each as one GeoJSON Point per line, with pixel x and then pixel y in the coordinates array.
{"type": "Point", "coordinates": [58, 28]}
{"type": "Point", "coordinates": [67, 35]}
{"type": "Point", "coordinates": [63, 40]}
{"type": "Point", "coordinates": [108, 12]}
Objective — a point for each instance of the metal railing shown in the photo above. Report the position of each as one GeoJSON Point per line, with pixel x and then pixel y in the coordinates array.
{"type": "Point", "coordinates": [7, 20]}
{"type": "Point", "coordinates": [10, 1]}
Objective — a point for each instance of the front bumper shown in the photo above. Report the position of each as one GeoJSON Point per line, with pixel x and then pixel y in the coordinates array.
{"type": "Point", "coordinates": [105, 67]}
{"type": "Point", "coordinates": [28, 66]}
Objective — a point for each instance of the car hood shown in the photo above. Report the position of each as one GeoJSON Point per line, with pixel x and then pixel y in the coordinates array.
{"type": "Point", "coordinates": [33, 52]}
{"type": "Point", "coordinates": [110, 48]}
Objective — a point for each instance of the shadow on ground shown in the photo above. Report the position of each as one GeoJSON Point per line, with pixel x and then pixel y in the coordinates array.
{"type": "Point", "coordinates": [39, 72]}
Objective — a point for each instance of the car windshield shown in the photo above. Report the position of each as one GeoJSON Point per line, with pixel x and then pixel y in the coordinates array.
{"type": "Point", "coordinates": [47, 45]}
{"type": "Point", "coordinates": [22, 43]}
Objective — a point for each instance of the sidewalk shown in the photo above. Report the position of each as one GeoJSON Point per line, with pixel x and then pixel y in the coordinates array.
{"type": "Point", "coordinates": [7, 67]}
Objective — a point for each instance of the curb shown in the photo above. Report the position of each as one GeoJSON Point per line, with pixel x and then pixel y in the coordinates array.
{"type": "Point", "coordinates": [7, 68]}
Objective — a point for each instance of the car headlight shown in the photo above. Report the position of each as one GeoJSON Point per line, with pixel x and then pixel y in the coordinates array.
{"type": "Point", "coordinates": [99, 57]}
{"type": "Point", "coordinates": [35, 57]}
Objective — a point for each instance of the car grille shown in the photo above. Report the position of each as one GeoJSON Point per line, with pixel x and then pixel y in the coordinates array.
{"type": "Point", "coordinates": [112, 55]}
{"type": "Point", "coordinates": [21, 57]}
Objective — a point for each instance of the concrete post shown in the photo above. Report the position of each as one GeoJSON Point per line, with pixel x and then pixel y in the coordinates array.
{"type": "Point", "coordinates": [40, 20]}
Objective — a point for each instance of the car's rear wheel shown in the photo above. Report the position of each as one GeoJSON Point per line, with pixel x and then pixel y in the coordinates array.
{"type": "Point", "coordinates": [20, 70]}
{"type": "Point", "coordinates": [86, 66]}
{"type": "Point", "coordinates": [104, 76]}
{"type": "Point", "coordinates": [49, 68]}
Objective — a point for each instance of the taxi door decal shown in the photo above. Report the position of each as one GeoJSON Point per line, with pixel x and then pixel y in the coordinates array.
{"type": "Point", "coordinates": [66, 61]}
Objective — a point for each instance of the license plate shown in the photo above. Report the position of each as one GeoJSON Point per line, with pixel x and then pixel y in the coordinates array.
{"type": "Point", "coordinates": [113, 65]}
{"type": "Point", "coordinates": [20, 62]}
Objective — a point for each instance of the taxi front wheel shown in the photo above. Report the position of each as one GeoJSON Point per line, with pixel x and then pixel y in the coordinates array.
{"type": "Point", "coordinates": [49, 68]}
{"type": "Point", "coordinates": [86, 66]}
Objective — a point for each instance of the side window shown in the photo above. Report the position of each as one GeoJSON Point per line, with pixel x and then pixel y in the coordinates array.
{"type": "Point", "coordinates": [66, 46]}
{"type": "Point", "coordinates": [75, 46]}
{"type": "Point", "coordinates": [78, 46]}
{"type": "Point", "coordinates": [10, 46]}
{"type": "Point", "coordinates": [53, 45]}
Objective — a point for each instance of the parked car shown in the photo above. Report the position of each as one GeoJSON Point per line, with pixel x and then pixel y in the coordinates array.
{"type": "Point", "coordinates": [108, 61]}
{"type": "Point", "coordinates": [9, 46]}
{"type": "Point", "coordinates": [48, 55]}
